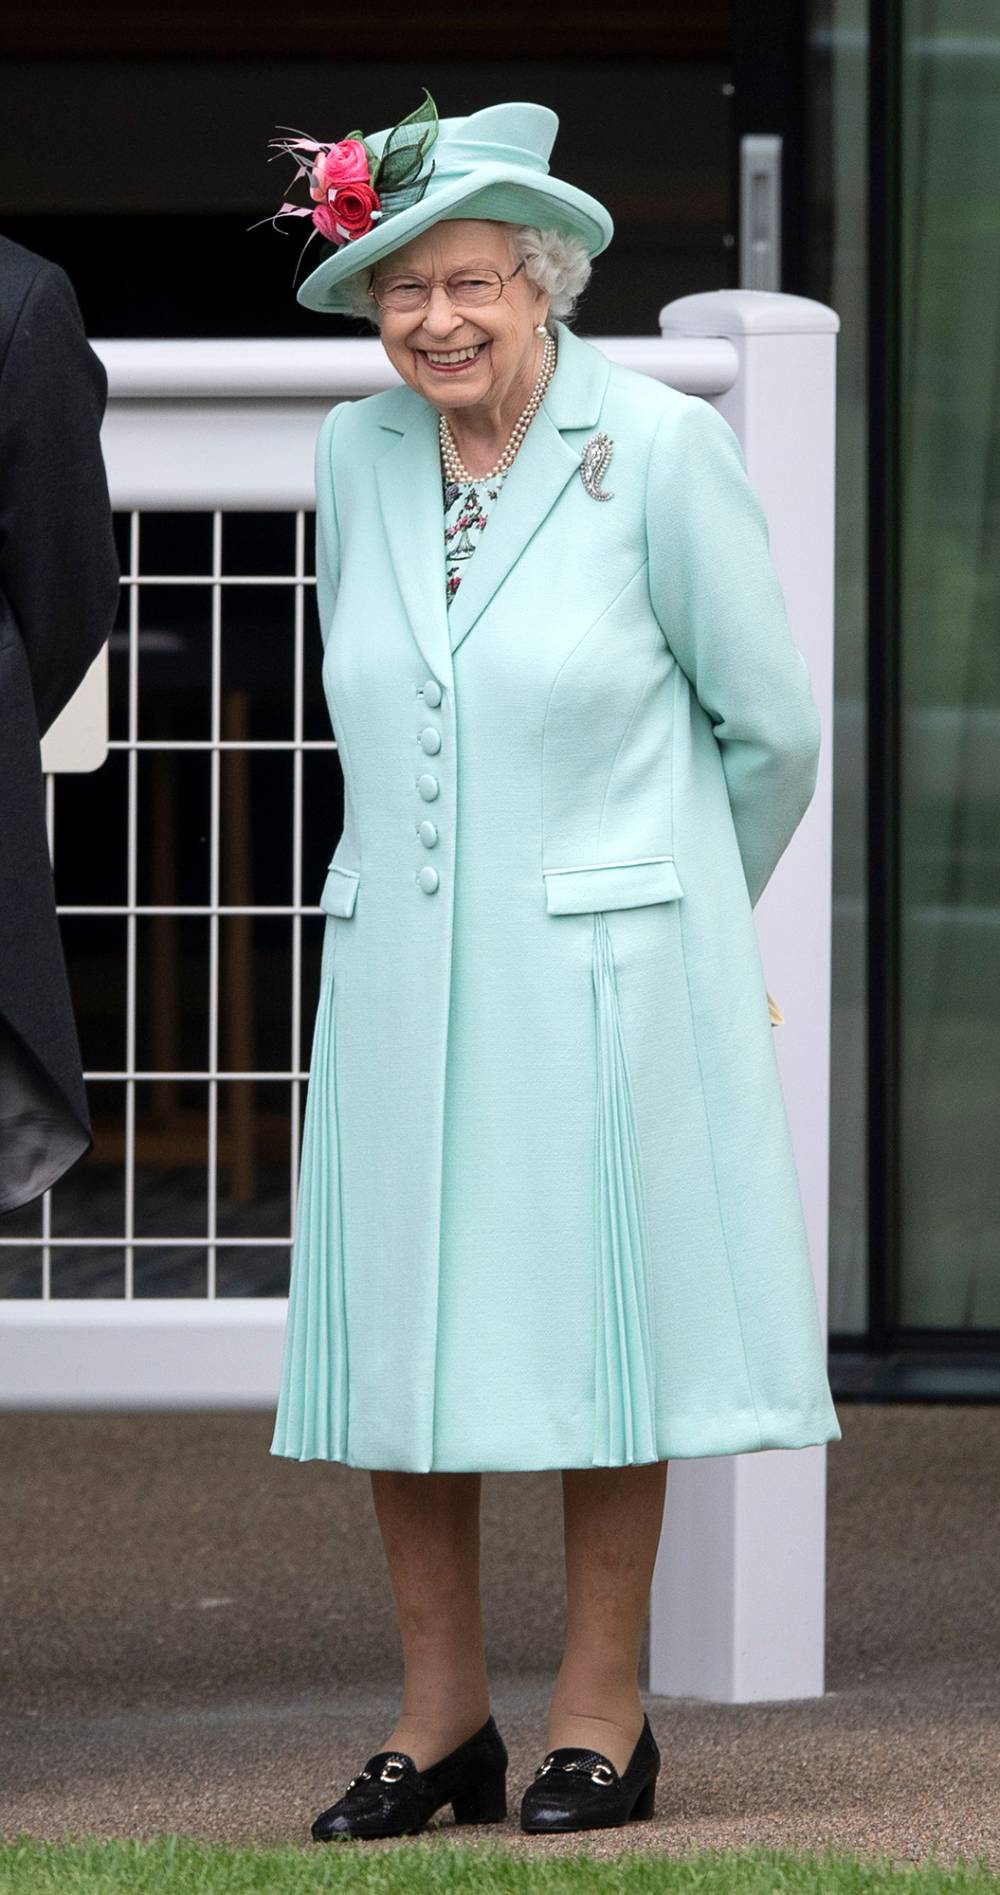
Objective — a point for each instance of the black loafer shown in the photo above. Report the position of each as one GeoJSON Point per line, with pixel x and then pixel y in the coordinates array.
{"type": "Point", "coordinates": [574, 1788]}
{"type": "Point", "coordinates": [391, 1797]}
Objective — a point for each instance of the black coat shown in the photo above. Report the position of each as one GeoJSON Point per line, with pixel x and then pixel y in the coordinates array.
{"type": "Point", "coordinates": [59, 585]}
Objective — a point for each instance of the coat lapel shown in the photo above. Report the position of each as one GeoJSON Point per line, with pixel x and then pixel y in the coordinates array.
{"type": "Point", "coordinates": [410, 495]}
{"type": "Point", "coordinates": [408, 477]}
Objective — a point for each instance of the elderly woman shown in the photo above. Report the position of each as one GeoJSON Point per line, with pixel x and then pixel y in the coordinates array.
{"type": "Point", "coordinates": [549, 1215]}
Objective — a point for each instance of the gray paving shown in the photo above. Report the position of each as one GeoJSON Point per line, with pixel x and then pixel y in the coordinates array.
{"type": "Point", "coordinates": [197, 1637]}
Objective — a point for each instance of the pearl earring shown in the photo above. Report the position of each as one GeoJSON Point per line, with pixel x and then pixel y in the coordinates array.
{"type": "Point", "coordinates": [540, 329]}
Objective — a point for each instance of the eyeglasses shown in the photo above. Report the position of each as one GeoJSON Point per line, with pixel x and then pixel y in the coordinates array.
{"type": "Point", "coordinates": [469, 289]}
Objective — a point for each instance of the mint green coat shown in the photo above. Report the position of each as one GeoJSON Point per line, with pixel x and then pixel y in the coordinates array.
{"type": "Point", "coordinates": [548, 1212]}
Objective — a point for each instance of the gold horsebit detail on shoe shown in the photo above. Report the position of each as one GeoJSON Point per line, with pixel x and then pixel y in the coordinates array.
{"type": "Point", "coordinates": [601, 1773]}
{"type": "Point", "coordinates": [391, 1771]}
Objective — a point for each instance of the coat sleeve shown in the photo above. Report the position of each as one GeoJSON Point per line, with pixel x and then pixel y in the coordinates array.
{"type": "Point", "coordinates": [327, 526]}
{"type": "Point", "coordinates": [58, 565]}
{"type": "Point", "coordinates": [720, 605]}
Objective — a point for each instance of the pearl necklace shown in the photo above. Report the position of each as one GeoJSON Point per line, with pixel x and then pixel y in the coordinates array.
{"type": "Point", "coordinates": [455, 469]}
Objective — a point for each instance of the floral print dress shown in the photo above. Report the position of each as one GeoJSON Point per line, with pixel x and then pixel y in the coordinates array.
{"type": "Point", "coordinates": [466, 510]}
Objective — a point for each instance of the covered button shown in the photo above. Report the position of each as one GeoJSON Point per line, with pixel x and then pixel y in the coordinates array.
{"type": "Point", "coordinates": [428, 786]}
{"type": "Point", "coordinates": [430, 740]}
{"type": "Point", "coordinates": [428, 878]}
{"type": "Point", "coordinates": [432, 693]}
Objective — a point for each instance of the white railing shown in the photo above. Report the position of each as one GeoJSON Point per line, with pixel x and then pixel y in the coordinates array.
{"type": "Point", "coordinates": [231, 426]}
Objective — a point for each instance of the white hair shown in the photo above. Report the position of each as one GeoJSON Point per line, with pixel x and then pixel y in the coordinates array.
{"type": "Point", "coordinates": [559, 264]}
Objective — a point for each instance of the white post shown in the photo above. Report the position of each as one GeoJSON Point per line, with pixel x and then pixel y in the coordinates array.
{"type": "Point", "coordinates": [737, 1606]}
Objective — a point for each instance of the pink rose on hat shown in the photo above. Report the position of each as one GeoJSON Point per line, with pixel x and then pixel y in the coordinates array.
{"type": "Point", "coordinates": [350, 211]}
{"type": "Point", "coordinates": [345, 163]}
{"type": "Point", "coordinates": [340, 185]}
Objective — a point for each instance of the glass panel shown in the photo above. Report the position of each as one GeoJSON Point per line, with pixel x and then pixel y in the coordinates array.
{"type": "Point", "coordinates": [90, 834]}
{"type": "Point", "coordinates": [21, 1269]}
{"type": "Point", "coordinates": [257, 678]}
{"type": "Point", "coordinates": [89, 1202]}
{"type": "Point", "coordinates": [835, 227]}
{"type": "Point", "coordinates": [171, 1270]}
{"type": "Point", "coordinates": [258, 1270]}
{"type": "Point", "coordinates": [256, 822]}
{"type": "Point", "coordinates": [254, 1187]}
{"type": "Point", "coordinates": [175, 544]}
{"type": "Point", "coordinates": [951, 667]}
{"type": "Point", "coordinates": [175, 661]}
{"type": "Point", "coordinates": [171, 1179]}
{"type": "Point", "coordinates": [258, 543]}
{"type": "Point", "coordinates": [96, 953]}
{"type": "Point", "coordinates": [173, 821]}
{"type": "Point", "coordinates": [255, 993]}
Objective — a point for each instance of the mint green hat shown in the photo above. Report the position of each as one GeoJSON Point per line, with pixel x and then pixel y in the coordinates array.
{"type": "Point", "coordinates": [493, 164]}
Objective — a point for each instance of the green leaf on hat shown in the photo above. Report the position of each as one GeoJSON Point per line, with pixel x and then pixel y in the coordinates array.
{"type": "Point", "coordinates": [404, 148]}
{"type": "Point", "coordinates": [401, 199]}
{"type": "Point", "coordinates": [402, 164]}
{"type": "Point", "coordinates": [427, 113]}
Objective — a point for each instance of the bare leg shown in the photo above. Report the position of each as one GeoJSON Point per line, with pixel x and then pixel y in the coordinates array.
{"type": "Point", "coordinates": [430, 1531]}
{"type": "Point", "coordinates": [612, 1518]}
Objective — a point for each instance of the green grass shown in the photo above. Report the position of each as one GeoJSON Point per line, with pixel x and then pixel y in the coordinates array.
{"type": "Point", "coordinates": [172, 1866]}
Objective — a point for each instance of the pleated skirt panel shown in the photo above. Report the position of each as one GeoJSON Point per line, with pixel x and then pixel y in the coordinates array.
{"type": "Point", "coordinates": [312, 1411]}
{"type": "Point", "coordinates": [624, 1368]}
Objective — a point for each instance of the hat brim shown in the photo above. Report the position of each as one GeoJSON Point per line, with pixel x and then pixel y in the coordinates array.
{"type": "Point", "coordinates": [495, 192]}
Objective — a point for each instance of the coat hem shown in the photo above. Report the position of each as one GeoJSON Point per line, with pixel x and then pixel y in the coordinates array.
{"type": "Point", "coordinates": [681, 1442]}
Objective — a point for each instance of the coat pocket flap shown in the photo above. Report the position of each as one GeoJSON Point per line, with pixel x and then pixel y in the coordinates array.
{"type": "Point", "coordinates": [340, 891]}
{"type": "Point", "coordinates": [577, 891]}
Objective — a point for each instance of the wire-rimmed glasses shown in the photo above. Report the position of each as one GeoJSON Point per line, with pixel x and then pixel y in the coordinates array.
{"type": "Point", "coordinates": [467, 289]}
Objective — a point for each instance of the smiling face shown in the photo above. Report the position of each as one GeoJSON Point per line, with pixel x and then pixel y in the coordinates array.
{"type": "Point", "coordinates": [501, 371]}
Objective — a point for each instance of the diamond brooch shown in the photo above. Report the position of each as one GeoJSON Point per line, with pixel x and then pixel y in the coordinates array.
{"type": "Point", "coordinates": [594, 463]}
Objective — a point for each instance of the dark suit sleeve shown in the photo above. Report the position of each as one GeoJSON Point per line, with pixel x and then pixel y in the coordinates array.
{"type": "Point", "coordinates": [58, 564]}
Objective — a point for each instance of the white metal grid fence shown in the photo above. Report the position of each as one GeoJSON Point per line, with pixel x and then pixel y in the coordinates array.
{"type": "Point", "coordinates": [133, 744]}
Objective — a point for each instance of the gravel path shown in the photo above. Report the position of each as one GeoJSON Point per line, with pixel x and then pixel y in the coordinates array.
{"type": "Point", "coordinates": [198, 1637]}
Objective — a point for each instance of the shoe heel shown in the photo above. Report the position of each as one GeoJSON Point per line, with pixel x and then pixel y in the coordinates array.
{"type": "Point", "coordinates": [483, 1802]}
{"type": "Point", "coordinates": [643, 1805]}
